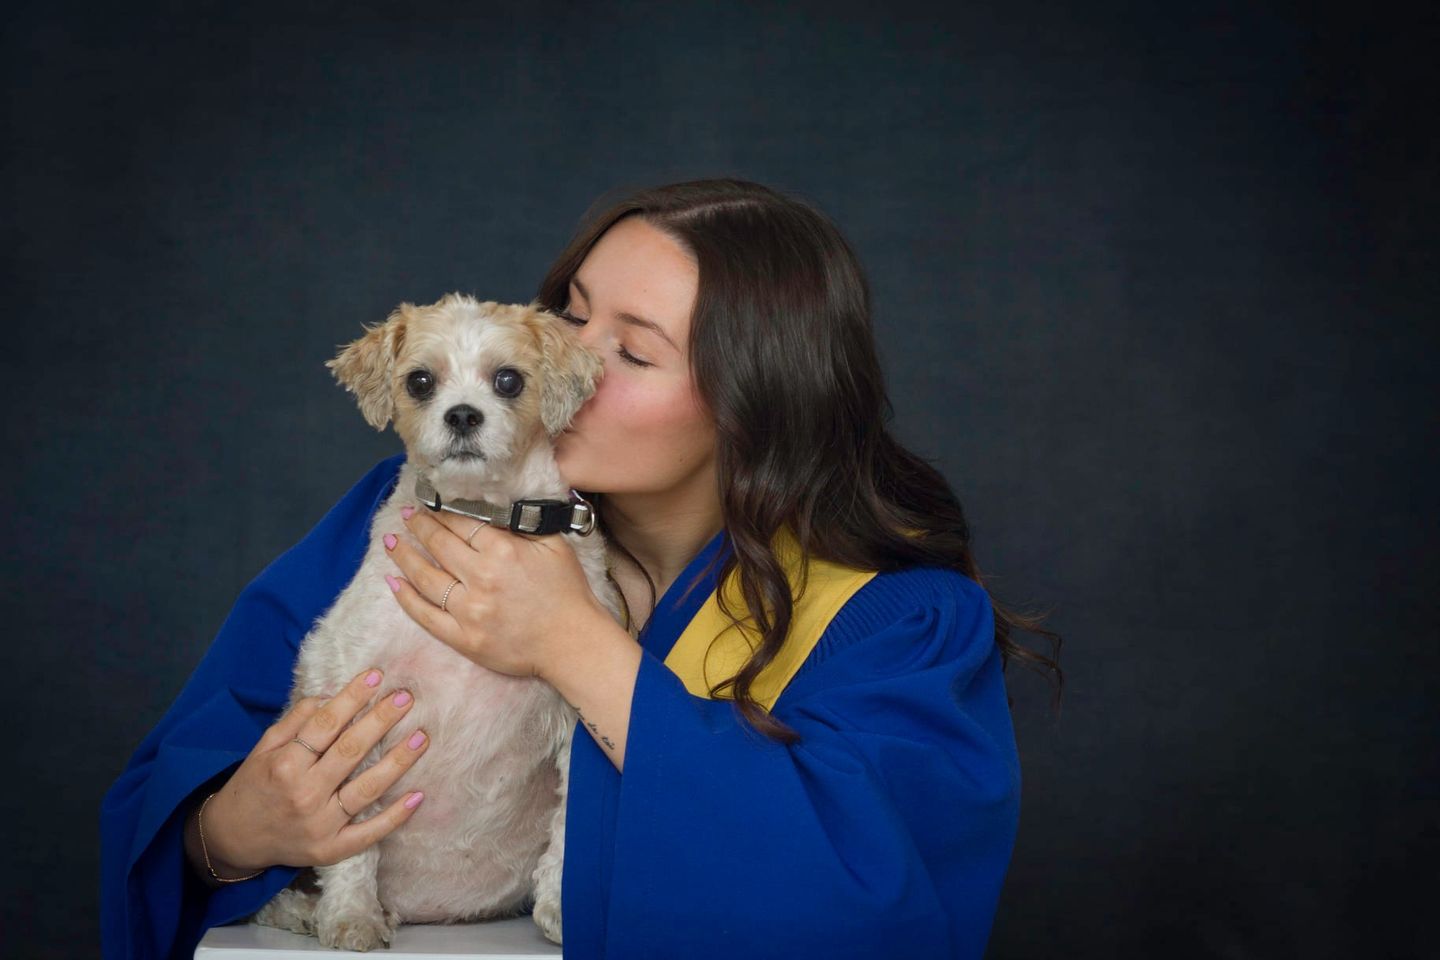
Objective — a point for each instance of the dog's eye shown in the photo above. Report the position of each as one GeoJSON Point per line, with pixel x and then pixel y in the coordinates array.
{"type": "Point", "coordinates": [420, 384]}
{"type": "Point", "coordinates": [508, 382]}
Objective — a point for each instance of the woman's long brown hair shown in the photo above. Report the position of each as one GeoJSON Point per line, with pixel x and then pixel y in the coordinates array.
{"type": "Point", "coordinates": [784, 358]}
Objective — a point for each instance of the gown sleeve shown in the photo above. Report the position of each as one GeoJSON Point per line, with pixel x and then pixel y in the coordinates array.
{"type": "Point", "coordinates": [887, 831]}
{"type": "Point", "coordinates": [151, 903]}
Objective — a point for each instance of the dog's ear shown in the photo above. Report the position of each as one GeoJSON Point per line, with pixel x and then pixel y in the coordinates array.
{"type": "Point", "coordinates": [366, 366]}
{"type": "Point", "coordinates": [570, 371]}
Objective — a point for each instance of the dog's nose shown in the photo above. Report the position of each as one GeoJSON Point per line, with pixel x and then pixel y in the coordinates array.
{"type": "Point", "coordinates": [463, 419]}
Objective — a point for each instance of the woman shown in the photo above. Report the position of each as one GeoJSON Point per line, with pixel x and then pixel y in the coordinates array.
{"type": "Point", "coordinates": [859, 798]}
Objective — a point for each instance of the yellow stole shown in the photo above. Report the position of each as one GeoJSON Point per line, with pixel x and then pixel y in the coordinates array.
{"type": "Point", "coordinates": [713, 649]}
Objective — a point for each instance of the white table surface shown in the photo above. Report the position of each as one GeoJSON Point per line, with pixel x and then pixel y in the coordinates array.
{"type": "Point", "coordinates": [511, 939]}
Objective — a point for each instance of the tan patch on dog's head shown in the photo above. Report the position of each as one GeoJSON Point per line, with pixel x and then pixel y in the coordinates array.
{"type": "Point", "coordinates": [463, 345]}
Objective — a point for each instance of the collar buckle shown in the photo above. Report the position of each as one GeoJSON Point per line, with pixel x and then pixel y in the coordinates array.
{"type": "Point", "coordinates": [582, 516]}
{"type": "Point", "coordinates": [535, 517]}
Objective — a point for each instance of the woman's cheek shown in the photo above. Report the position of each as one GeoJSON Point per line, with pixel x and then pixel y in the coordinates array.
{"type": "Point", "coordinates": [642, 403]}
{"type": "Point", "coordinates": [647, 415]}
{"type": "Point", "coordinates": [668, 411]}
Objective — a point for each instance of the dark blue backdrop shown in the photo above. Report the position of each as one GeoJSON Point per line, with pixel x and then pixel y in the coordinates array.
{"type": "Point", "coordinates": [1155, 285]}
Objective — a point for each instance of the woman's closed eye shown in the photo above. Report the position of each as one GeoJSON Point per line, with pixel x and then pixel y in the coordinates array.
{"type": "Point", "coordinates": [620, 350]}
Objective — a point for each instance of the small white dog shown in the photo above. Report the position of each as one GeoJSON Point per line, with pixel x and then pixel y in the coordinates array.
{"type": "Point", "coordinates": [477, 391]}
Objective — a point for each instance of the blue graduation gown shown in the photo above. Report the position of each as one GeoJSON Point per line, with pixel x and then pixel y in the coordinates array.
{"type": "Point", "coordinates": [887, 831]}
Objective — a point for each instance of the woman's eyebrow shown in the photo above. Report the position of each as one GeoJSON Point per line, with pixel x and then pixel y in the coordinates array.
{"type": "Point", "coordinates": [629, 318]}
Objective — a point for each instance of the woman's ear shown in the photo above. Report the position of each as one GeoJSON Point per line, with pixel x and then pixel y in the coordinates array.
{"type": "Point", "coordinates": [570, 371]}
{"type": "Point", "coordinates": [366, 366]}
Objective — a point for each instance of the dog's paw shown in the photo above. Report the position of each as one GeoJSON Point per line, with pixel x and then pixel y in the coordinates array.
{"type": "Point", "coordinates": [547, 917]}
{"type": "Point", "coordinates": [356, 931]}
{"type": "Point", "coordinates": [290, 909]}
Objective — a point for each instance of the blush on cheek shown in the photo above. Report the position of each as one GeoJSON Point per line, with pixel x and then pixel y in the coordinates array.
{"type": "Point", "coordinates": [651, 409]}
{"type": "Point", "coordinates": [616, 410]}
{"type": "Point", "coordinates": [685, 412]}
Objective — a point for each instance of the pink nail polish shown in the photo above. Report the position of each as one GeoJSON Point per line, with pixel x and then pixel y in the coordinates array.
{"type": "Point", "coordinates": [390, 541]}
{"type": "Point", "coordinates": [415, 740]}
{"type": "Point", "coordinates": [402, 698]}
{"type": "Point", "coordinates": [414, 800]}
{"type": "Point", "coordinates": [406, 511]}
{"type": "Point", "coordinates": [372, 679]}
{"type": "Point", "coordinates": [394, 584]}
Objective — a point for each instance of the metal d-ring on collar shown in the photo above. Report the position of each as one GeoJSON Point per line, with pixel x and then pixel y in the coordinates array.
{"type": "Point", "coordinates": [538, 517]}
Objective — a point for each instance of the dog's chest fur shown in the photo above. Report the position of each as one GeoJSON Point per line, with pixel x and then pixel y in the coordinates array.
{"type": "Point", "coordinates": [490, 776]}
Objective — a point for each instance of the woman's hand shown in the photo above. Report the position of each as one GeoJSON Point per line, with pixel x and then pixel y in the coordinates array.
{"type": "Point", "coordinates": [519, 602]}
{"type": "Point", "coordinates": [286, 805]}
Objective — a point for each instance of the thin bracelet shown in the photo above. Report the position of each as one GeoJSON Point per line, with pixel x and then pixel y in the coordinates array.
{"type": "Point", "coordinates": [200, 819]}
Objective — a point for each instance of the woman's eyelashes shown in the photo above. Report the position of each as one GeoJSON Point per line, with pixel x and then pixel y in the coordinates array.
{"type": "Point", "coordinates": [620, 351]}
{"type": "Point", "coordinates": [632, 360]}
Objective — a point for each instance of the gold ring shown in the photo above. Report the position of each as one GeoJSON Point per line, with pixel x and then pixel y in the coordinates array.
{"type": "Point", "coordinates": [473, 532]}
{"type": "Point", "coordinates": [447, 593]}
{"type": "Point", "coordinates": [306, 746]}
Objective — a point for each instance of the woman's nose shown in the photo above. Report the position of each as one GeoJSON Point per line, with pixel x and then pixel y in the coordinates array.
{"type": "Point", "coordinates": [589, 335]}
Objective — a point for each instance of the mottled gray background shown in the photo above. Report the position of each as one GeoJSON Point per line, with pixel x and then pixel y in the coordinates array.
{"type": "Point", "coordinates": [1155, 285]}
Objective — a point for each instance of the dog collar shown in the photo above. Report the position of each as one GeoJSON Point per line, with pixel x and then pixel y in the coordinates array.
{"type": "Point", "coordinates": [539, 517]}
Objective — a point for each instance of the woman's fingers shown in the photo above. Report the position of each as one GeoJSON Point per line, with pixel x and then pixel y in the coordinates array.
{"type": "Point", "coordinates": [358, 836]}
{"type": "Point", "coordinates": [286, 728]}
{"type": "Point", "coordinates": [279, 806]}
{"type": "Point", "coordinates": [437, 533]}
{"type": "Point", "coordinates": [325, 724]}
{"type": "Point", "coordinates": [355, 743]}
{"type": "Point", "coordinates": [371, 785]}
{"type": "Point", "coordinates": [428, 579]}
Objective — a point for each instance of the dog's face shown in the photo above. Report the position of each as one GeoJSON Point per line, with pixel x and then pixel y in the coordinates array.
{"type": "Point", "coordinates": [469, 385]}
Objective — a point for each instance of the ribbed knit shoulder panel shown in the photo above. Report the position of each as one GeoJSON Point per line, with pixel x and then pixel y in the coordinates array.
{"type": "Point", "coordinates": [887, 599]}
